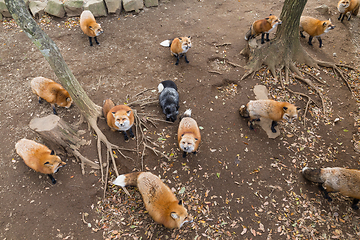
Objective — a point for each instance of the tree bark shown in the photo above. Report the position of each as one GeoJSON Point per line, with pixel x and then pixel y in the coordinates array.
{"type": "Point", "coordinates": [52, 54]}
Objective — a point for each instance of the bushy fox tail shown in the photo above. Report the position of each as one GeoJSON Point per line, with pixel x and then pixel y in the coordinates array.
{"type": "Point", "coordinates": [108, 104]}
{"type": "Point", "coordinates": [129, 179]}
{"type": "Point", "coordinates": [166, 43]}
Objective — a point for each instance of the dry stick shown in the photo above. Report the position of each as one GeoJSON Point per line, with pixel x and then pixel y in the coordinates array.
{"type": "Point", "coordinates": [222, 44]}
{"type": "Point", "coordinates": [142, 92]}
{"type": "Point", "coordinates": [139, 101]}
{"type": "Point", "coordinates": [156, 151]}
{"type": "Point", "coordinates": [210, 71]}
{"type": "Point", "coordinates": [107, 170]}
{"type": "Point", "coordinates": [100, 159]}
{"type": "Point", "coordinates": [306, 108]}
{"type": "Point", "coordinates": [346, 66]}
{"type": "Point", "coordinates": [142, 159]}
{"type": "Point", "coordinates": [150, 102]}
{"type": "Point", "coordinates": [312, 75]}
{"type": "Point", "coordinates": [345, 80]}
{"type": "Point", "coordinates": [336, 69]}
{"type": "Point", "coordinates": [234, 64]}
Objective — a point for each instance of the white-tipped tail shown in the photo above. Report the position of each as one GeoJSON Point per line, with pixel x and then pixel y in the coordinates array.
{"type": "Point", "coordinates": [246, 38]}
{"type": "Point", "coordinates": [165, 43]}
{"type": "Point", "coordinates": [187, 113]}
{"type": "Point", "coordinates": [120, 181]}
{"type": "Point", "coordinates": [160, 87]}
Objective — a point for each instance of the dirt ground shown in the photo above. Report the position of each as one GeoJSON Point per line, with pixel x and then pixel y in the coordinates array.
{"type": "Point", "coordinates": [240, 185]}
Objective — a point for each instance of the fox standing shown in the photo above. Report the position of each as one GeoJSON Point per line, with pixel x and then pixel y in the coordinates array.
{"type": "Point", "coordinates": [263, 26]}
{"type": "Point", "coordinates": [169, 99]}
{"type": "Point", "coordinates": [178, 47]}
{"type": "Point", "coordinates": [89, 26]}
{"type": "Point", "coordinates": [348, 6]}
{"type": "Point", "coordinates": [119, 118]}
{"type": "Point", "coordinates": [337, 179]}
{"type": "Point", "coordinates": [271, 109]}
{"type": "Point", "coordinates": [314, 27]}
{"type": "Point", "coordinates": [189, 136]}
{"type": "Point", "coordinates": [51, 91]}
{"type": "Point", "coordinates": [159, 200]}
{"type": "Point", "coordinates": [39, 157]}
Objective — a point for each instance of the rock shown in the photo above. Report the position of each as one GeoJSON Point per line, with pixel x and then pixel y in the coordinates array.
{"type": "Point", "coordinates": [3, 9]}
{"type": "Point", "coordinates": [151, 3]}
{"type": "Point", "coordinates": [1, 17]}
{"type": "Point", "coordinates": [74, 8]}
{"type": "Point", "coordinates": [55, 8]}
{"type": "Point", "coordinates": [37, 8]}
{"type": "Point", "coordinates": [113, 6]}
{"type": "Point", "coordinates": [133, 5]}
{"type": "Point", "coordinates": [323, 9]}
{"type": "Point", "coordinates": [97, 7]}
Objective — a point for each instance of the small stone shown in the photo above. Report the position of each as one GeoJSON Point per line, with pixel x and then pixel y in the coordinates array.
{"type": "Point", "coordinates": [334, 54]}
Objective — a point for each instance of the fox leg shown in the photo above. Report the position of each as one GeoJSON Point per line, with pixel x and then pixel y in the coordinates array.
{"type": "Point", "coordinates": [125, 136]}
{"type": "Point", "coordinates": [90, 40]}
{"type": "Point", "coordinates": [301, 34]}
{"type": "Point", "coordinates": [184, 154]}
{"type": "Point", "coordinates": [354, 204]}
{"type": "Point", "coordinates": [40, 100]}
{"type": "Point", "coordinates": [252, 123]}
{"type": "Point", "coordinates": [340, 16]}
{"type": "Point", "coordinates": [262, 38]}
{"type": "Point", "coordinates": [131, 133]}
{"type": "Point", "coordinates": [320, 41]}
{"type": "Point", "coordinates": [96, 41]}
{"type": "Point", "coordinates": [54, 110]}
{"type": "Point", "coordinates": [349, 17]}
{"type": "Point", "coordinates": [186, 60]}
{"type": "Point", "coordinates": [52, 178]}
{"type": "Point", "coordinates": [325, 193]}
{"type": "Point", "coordinates": [273, 125]}
{"type": "Point", "coordinates": [177, 59]}
{"type": "Point", "coordinates": [310, 39]}
{"type": "Point", "coordinates": [267, 37]}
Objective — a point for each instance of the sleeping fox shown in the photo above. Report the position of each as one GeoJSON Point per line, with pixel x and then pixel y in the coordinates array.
{"type": "Point", "coordinates": [271, 109]}
{"type": "Point", "coordinates": [39, 157]}
{"type": "Point", "coordinates": [337, 179]}
{"type": "Point", "coordinates": [159, 200]}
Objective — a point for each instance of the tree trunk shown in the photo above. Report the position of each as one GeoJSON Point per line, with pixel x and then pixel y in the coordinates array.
{"type": "Point", "coordinates": [52, 54]}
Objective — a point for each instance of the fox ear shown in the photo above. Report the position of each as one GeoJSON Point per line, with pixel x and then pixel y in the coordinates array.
{"type": "Point", "coordinates": [52, 152]}
{"type": "Point", "coordinates": [266, 18]}
{"type": "Point", "coordinates": [180, 202]}
{"type": "Point", "coordinates": [189, 37]}
{"type": "Point", "coordinates": [128, 113]}
{"type": "Point", "coordinates": [298, 108]}
{"type": "Point", "coordinates": [180, 38]}
{"type": "Point", "coordinates": [174, 215]}
{"type": "Point", "coordinates": [285, 108]}
{"type": "Point", "coordinates": [113, 113]}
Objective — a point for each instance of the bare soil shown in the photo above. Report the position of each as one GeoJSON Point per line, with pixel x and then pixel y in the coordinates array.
{"type": "Point", "coordinates": [240, 185]}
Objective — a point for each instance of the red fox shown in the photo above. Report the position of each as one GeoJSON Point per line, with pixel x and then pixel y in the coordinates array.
{"type": "Point", "coordinates": [314, 27]}
{"type": "Point", "coordinates": [189, 136]}
{"type": "Point", "coordinates": [39, 157]}
{"type": "Point", "coordinates": [119, 118]}
{"type": "Point", "coordinates": [263, 26]}
{"type": "Point", "coordinates": [51, 91]}
{"type": "Point", "coordinates": [345, 6]}
{"type": "Point", "coordinates": [271, 109]}
{"type": "Point", "coordinates": [337, 179]}
{"type": "Point", "coordinates": [159, 200]}
{"type": "Point", "coordinates": [89, 26]}
{"type": "Point", "coordinates": [178, 47]}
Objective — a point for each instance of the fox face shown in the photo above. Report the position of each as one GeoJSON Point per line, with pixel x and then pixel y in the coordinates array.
{"type": "Point", "coordinates": [53, 163]}
{"type": "Point", "coordinates": [185, 43]}
{"type": "Point", "coordinates": [96, 28]}
{"type": "Point", "coordinates": [122, 120]}
{"type": "Point", "coordinates": [344, 3]}
{"type": "Point", "coordinates": [171, 113]}
{"type": "Point", "coordinates": [327, 25]}
{"type": "Point", "coordinates": [64, 99]}
{"type": "Point", "coordinates": [290, 113]}
{"type": "Point", "coordinates": [273, 20]}
{"type": "Point", "coordinates": [187, 143]}
{"type": "Point", "coordinates": [178, 215]}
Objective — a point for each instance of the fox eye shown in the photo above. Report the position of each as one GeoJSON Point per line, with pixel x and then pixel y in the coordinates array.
{"type": "Point", "coordinates": [46, 163]}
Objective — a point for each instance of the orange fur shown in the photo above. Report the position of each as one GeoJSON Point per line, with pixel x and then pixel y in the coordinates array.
{"type": "Point", "coordinates": [180, 45]}
{"type": "Point", "coordinates": [38, 156]}
{"type": "Point", "coordinates": [189, 136]}
{"type": "Point", "coordinates": [88, 24]}
{"type": "Point", "coordinates": [51, 91]}
{"type": "Point", "coordinates": [262, 26]}
{"type": "Point", "coordinates": [159, 200]}
{"type": "Point", "coordinates": [314, 27]}
{"type": "Point", "coordinates": [345, 6]}
{"type": "Point", "coordinates": [117, 115]}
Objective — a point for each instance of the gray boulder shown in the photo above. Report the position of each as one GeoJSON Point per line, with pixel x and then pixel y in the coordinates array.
{"type": "Point", "coordinates": [37, 8]}
{"type": "Point", "coordinates": [55, 8]}
{"type": "Point", "coordinates": [113, 6]}
{"type": "Point", "coordinates": [3, 9]}
{"type": "Point", "coordinates": [97, 7]}
{"type": "Point", "coordinates": [323, 9]}
{"type": "Point", "coordinates": [133, 5]}
{"type": "Point", "coordinates": [151, 3]}
{"type": "Point", "coordinates": [74, 8]}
